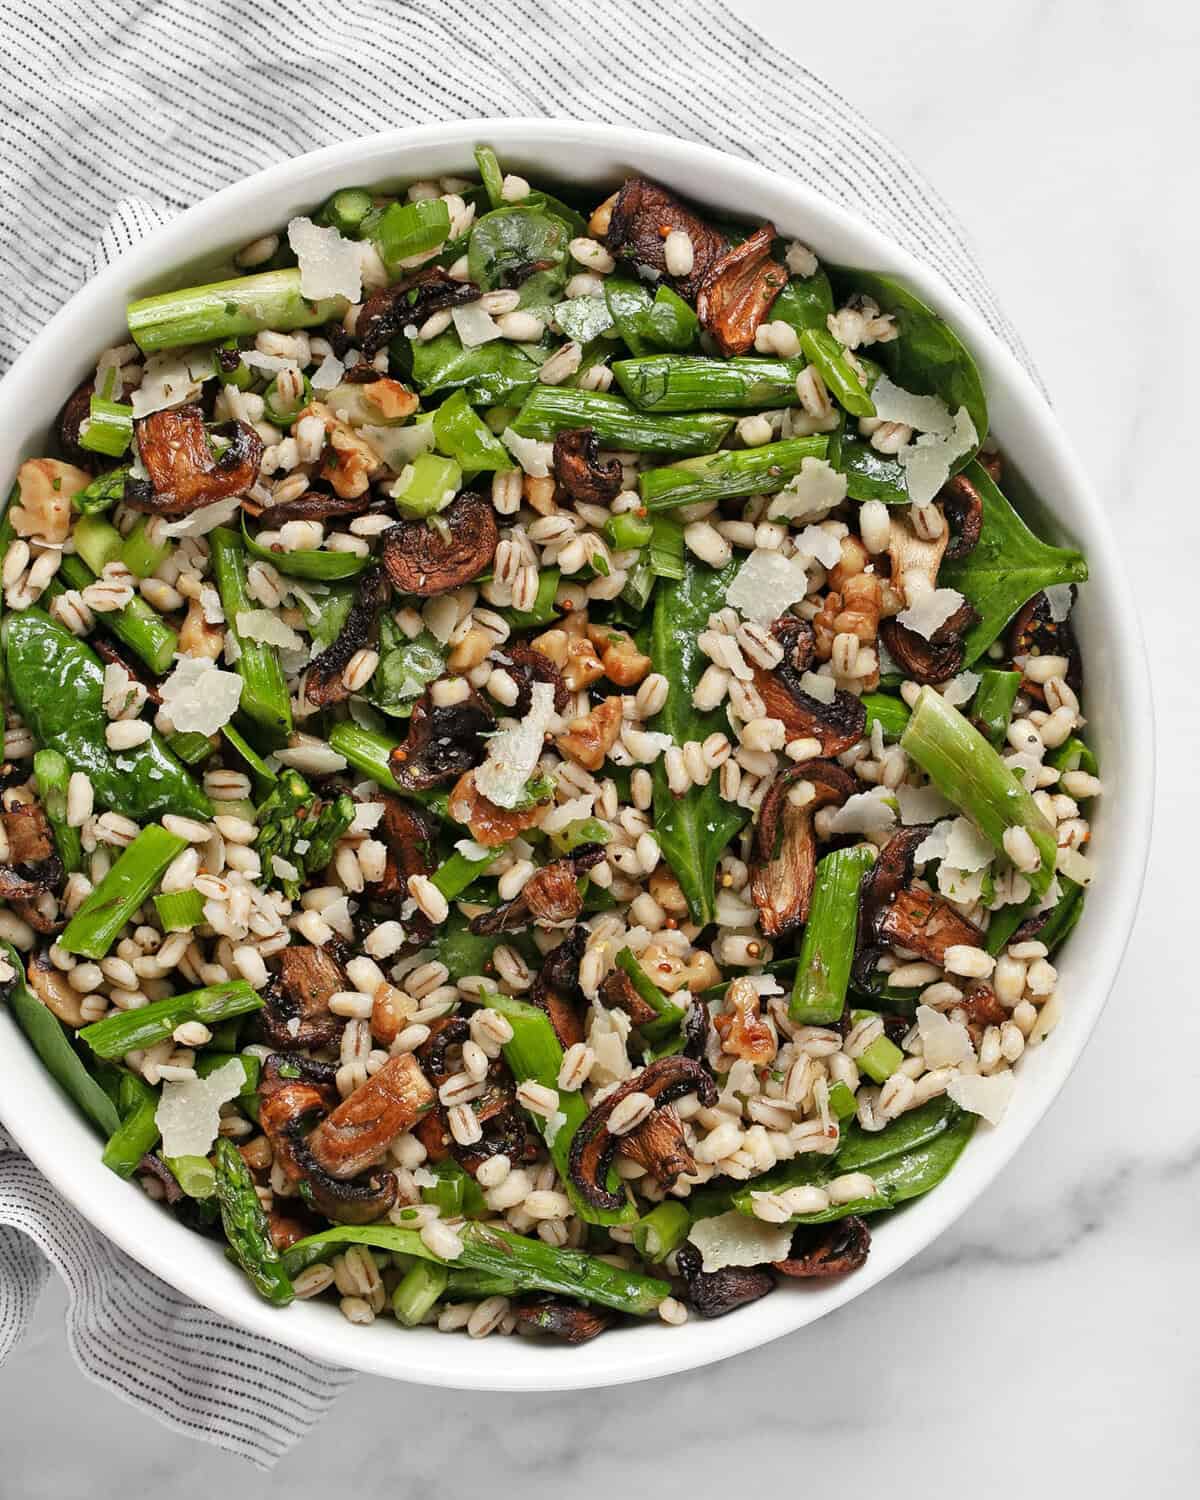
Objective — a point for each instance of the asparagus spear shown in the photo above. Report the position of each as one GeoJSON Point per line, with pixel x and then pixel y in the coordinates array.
{"type": "Point", "coordinates": [367, 752]}
{"type": "Point", "coordinates": [827, 949]}
{"type": "Point", "coordinates": [824, 351]}
{"type": "Point", "coordinates": [663, 1230]}
{"type": "Point", "coordinates": [717, 476]}
{"type": "Point", "coordinates": [138, 625]}
{"type": "Point", "coordinates": [246, 1226]}
{"type": "Point", "coordinates": [196, 1175]}
{"type": "Point", "coordinates": [883, 709]}
{"type": "Point", "coordinates": [455, 874]}
{"type": "Point", "coordinates": [551, 409]}
{"type": "Point", "coordinates": [345, 211]}
{"type": "Point", "coordinates": [993, 703]}
{"type": "Point", "coordinates": [108, 429]}
{"type": "Point", "coordinates": [530, 1265]}
{"type": "Point", "coordinates": [421, 1288]}
{"type": "Point", "coordinates": [965, 768]}
{"type": "Point", "coordinates": [140, 553]}
{"type": "Point", "coordinates": [93, 929]}
{"type": "Point", "coordinates": [138, 1131]}
{"type": "Point", "coordinates": [689, 382]}
{"type": "Point", "coordinates": [226, 309]}
{"type": "Point", "coordinates": [264, 693]}
{"type": "Point", "coordinates": [53, 775]}
{"type": "Point", "coordinates": [134, 1030]}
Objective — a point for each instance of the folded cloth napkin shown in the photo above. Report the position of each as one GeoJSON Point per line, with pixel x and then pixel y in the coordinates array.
{"type": "Point", "coordinates": [116, 117]}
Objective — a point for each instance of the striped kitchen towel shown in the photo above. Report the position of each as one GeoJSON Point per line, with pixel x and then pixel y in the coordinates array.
{"type": "Point", "coordinates": [118, 115]}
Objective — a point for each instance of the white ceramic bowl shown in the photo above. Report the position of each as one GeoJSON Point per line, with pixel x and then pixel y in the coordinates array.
{"type": "Point", "coordinates": [1118, 706]}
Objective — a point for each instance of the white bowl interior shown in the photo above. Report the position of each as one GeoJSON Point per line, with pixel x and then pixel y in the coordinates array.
{"type": "Point", "coordinates": [1117, 702]}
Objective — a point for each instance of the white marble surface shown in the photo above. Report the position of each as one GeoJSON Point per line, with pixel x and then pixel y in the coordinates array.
{"type": "Point", "coordinates": [1047, 1344]}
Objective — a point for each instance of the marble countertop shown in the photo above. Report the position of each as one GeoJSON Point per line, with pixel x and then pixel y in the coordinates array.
{"type": "Point", "coordinates": [1046, 1345]}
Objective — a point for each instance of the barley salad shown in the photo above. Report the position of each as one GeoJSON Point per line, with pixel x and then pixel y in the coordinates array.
{"type": "Point", "coordinates": [543, 773]}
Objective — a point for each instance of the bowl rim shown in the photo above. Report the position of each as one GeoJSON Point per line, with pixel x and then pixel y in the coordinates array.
{"type": "Point", "coordinates": [27, 1095]}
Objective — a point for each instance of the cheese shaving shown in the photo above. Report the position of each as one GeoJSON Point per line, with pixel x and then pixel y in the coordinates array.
{"type": "Point", "coordinates": [818, 686]}
{"type": "Point", "coordinates": [199, 697]}
{"type": "Point", "coordinates": [328, 373]}
{"type": "Point", "coordinates": [966, 847]}
{"type": "Point", "coordinates": [924, 413]}
{"type": "Point", "coordinates": [398, 446]}
{"type": "Point", "coordinates": [766, 585]}
{"type": "Point", "coordinates": [189, 1111]}
{"type": "Point", "coordinates": [329, 265]}
{"type": "Point", "coordinates": [534, 457]}
{"type": "Point", "coordinates": [820, 545]}
{"type": "Point", "coordinates": [207, 518]}
{"type": "Point", "coordinates": [735, 1239]}
{"type": "Point", "coordinates": [871, 813]}
{"type": "Point", "coordinates": [922, 804]}
{"type": "Point", "coordinates": [1060, 597]}
{"type": "Point", "coordinates": [475, 325]}
{"type": "Point", "coordinates": [513, 753]}
{"type": "Point", "coordinates": [983, 1096]}
{"type": "Point", "coordinates": [928, 461]}
{"type": "Point", "coordinates": [961, 689]}
{"type": "Point", "coordinates": [261, 625]}
{"type": "Point", "coordinates": [931, 611]}
{"type": "Point", "coordinates": [167, 380]}
{"type": "Point", "coordinates": [817, 487]}
{"type": "Point", "coordinates": [933, 845]}
{"type": "Point", "coordinates": [945, 1043]}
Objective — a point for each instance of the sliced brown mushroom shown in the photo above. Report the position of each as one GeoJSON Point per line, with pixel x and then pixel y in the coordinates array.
{"type": "Point", "coordinates": [617, 992]}
{"type": "Point", "coordinates": [295, 1014]}
{"type": "Point", "coordinates": [444, 741]}
{"type": "Point", "coordinates": [176, 450]}
{"type": "Point", "coordinates": [594, 1146]}
{"type": "Point", "coordinates": [390, 310]}
{"type": "Point", "coordinates": [1034, 632]}
{"type": "Point", "coordinates": [408, 834]}
{"type": "Point", "coordinates": [892, 914]}
{"type": "Point", "coordinates": [715, 1293]}
{"type": "Point", "coordinates": [315, 505]}
{"type": "Point", "coordinates": [642, 217]}
{"type": "Point", "coordinates": [490, 824]}
{"type": "Point", "coordinates": [565, 1320]}
{"type": "Point", "coordinates": [527, 665]}
{"type": "Point", "coordinates": [152, 1165]}
{"type": "Point", "coordinates": [659, 1145]}
{"type": "Point", "coordinates": [821, 1251]}
{"type": "Point", "coordinates": [578, 469]}
{"type": "Point", "coordinates": [51, 987]}
{"type": "Point", "coordinates": [359, 1131]}
{"type": "Point", "coordinates": [287, 1230]}
{"type": "Point", "coordinates": [76, 410]}
{"type": "Point", "coordinates": [741, 1027]}
{"type": "Point", "coordinates": [32, 865]}
{"type": "Point", "coordinates": [503, 1127]}
{"type": "Point", "coordinates": [556, 987]}
{"type": "Point", "coordinates": [738, 290]}
{"type": "Point", "coordinates": [913, 556]}
{"type": "Point", "coordinates": [784, 865]}
{"type": "Point", "coordinates": [293, 1092]}
{"type": "Point", "coordinates": [696, 1026]}
{"type": "Point", "coordinates": [323, 682]}
{"type": "Point", "coordinates": [836, 725]}
{"type": "Point", "coordinates": [963, 506]}
{"type": "Point", "coordinates": [922, 660]}
{"type": "Point", "coordinates": [551, 896]}
{"type": "Point", "coordinates": [981, 1009]}
{"type": "Point", "coordinates": [427, 557]}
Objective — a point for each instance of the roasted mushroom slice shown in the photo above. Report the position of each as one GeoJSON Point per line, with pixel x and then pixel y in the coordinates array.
{"type": "Point", "coordinates": [836, 725]}
{"type": "Point", "coordinates": [52, 989]}
{"type": "Point", "coordinates": [914, 557]}
{"type": "Point", "coordinates": [324, 681]}
{"type": "Point", "coordinates": [31, 866]}
{"type": "Point", "coordinates": [295, 1014]}
{"type": "Point", "coordinates": [784, 865]}
{"type": "Point", "coordinates": [184, 474]}
{"type": "Point", "coordinates": [360, 1200]}
{"type": "Point", "coordinates": [551, 896]}
{"type": "Point", "coordinates": [922, 660]}
{"type": "Point", "coordinates": [594, 1146]}
{"type": "Point", "coordinates": [490, 824]}
{"type": "Point", "coordinates": [893, 914]}
{"type": "Point", "coordinates": [293, 1092]}
{"type": "Point", "coordinates": [578, 469]}
{"type": "Point", "coordinates": [527, 665]}
{"type": "Point", "coordinates": [444, 741]}
{"type": "Point", "coordinates": [1035, 632]}
{"type": "Point", "coordinates": [617, 992]}
{"type": "Point", "coordinates": [392, 309]}
{"type": "Point", "coordinates": [565, 1320]}
{"type": "Point", "coordinates": [963, 506]}
{"type": "Point", "coordinates": [504, 1132]}
{"type": "Point", "coordinates": [715, 1293]}
{"type": "Point", "coordinates": [76, 410]}
{"type": "Point", "coordinates": [556, 987]}
{"type": "Point", "coordinates": [659, 1145]}
{"type": "Point", "coordinates": [359, 1131]}
{"type": "Point", "coordinates": [433, 555]}
{"type": "Point", "coordinates": [738, 290]}
{"type": "Point", "coordinates": [981, 1009]}
{"type": "Point", "coordinates": [315, 505]}
{"type": "Point", "coordinates": [643, 215]}
{"type": "Point", "coordinates": [408, 834]}
{"type": "Point", "coordinates": [819, 1251]}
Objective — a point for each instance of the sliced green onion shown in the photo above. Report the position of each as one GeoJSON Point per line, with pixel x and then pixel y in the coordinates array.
{"type": "Point", "coordinates": [94, 928]}
{"type": "Point", "coordinates": [408, 229]}
{"type": "Point", "coordinates": [427, 485]}
{"type": "Point", "coordinates": [179, 911]}
{"type": "Point", "coordinates": [109, 428]}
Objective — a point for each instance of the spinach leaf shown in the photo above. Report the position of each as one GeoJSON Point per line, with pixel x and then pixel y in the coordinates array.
{"type": "Point", "coordinates": [869, 475]}
{"type": "Point", "coordinates": [805, 302]}
{"type": "Point", "coordinates": [489, 373]}
{"type": "Point", "coordinates": [326, 621]}
{"type": "Point", "coordinates": [583, 318]}
{"type": "Point", "coordinates": [928, 357]}
{"type": "Point", "coordinates": [1007, 567]}
{"type": "Point", "coordinates": [664, 321]}
{"type": "Point", "coordinates": [692, 830]}
{"type": "Point", "coordinates": [405, 669]}
{"type": "Point", "coordinates": [509, 240]}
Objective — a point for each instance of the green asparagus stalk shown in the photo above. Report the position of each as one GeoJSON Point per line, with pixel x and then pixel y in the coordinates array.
{"type": "Point", "coordinates": [421, 1288]}
{"type": "Point", "coordinates": [535, 1054]}
{"type": "Point", "coordinates": [407, 229]}
{"type": "Point", "coordinates": [717, 476]}
{"type": "Point", "coordinates": [367, 752]}
{"type": "Point", "coordinates": [246, 1226]}
{"type": "Point", "coordinates": [455, 874]}
{"type": "Point", "coordinates": [103, 493]}
{"type": "Point", "coordinates": [966, 769]}
{"type": "Point", "coordinates": [427, 485]}
{"type": "Point", "coordinates": [529, 1264]}
{"type": "Point", "coordinates": [140, 554]}
{"type": "Point", "coordinates": [1074, 755]}
{"type": "Point", "coordinates": [134, 1030]}
{"type": "Point", "coordinates": [196, 1175]}
{"type": "Point", "coordinates": [94, 928]}
{"type": "Point", "coordinates": [53, 776]}
{"type": "Point", "coordinates": [264, 692]}
{"type": "Point", "coordinates": [138, 1131]}
{"type": "Point", "coordinates": [191, 747]}
{"type": "Point", "coordinates": [663, 1230]}
{"type": "Point", "coordinates": [689, 382]}
{"type": "Point", "coordinates": [97, 541]}
{"type": "Point", "coordinates": [345, 211]}
{"type": "Point", "coordinates": [227, 309]}
{"type": "Point", "coordinates": [544, 610]}
{"type": "Point", "coordinates": [551, 409]}
{"type": "Point", "coordinates": [139, 626]}
{"type": "Point", "coordinates": [891, 713]}
{"type": "Point", "coordinates": [827, 949]}
{"type": "Point", "coordinates": [994, 698]}
{"type": "Point", "coordinates": [109, 428]}
{"type": "Point", "coordinates": [824, 351]}
{"type": "Point", "coordinates": [490, 174]}
{"type": "Point", "coordinates": [629, 531]}
{"type": "Point", "coordinates": [179, 911]}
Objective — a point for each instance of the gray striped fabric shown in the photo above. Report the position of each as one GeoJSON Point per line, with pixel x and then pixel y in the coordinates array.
{"type": "Point", "coordinates": [118, 115]}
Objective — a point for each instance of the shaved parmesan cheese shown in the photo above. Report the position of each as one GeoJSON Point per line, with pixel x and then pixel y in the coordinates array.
{"type": "Point", "coordinates": [199, 697]}
{"type": "Point", "coordinates": [933, 845]}
{"type": "Point", "coordinates": [765, 984]}
{"type": "Point", "coordinates": [366, 816]}
{"type": "Point", "coordinates": [1060, 597]}
{"type": "Point", "coordinates": [1075, 866]}
{"type": "Point", "coordinates": [926, 413]}
{"type": "Point", "coordinates": [922, 804]}
{"type": "Point", "coordinates": [735, 1239]}
{"type": "Point", "coordinates": [534, 457]}
{"type": "Point", "coordinates": [983, 1096]}
{"type": "Point", "coordinates": [262, 625]}
{"type": "Point", "coordinates": [329, 265]}
{"type": "Point", "coordinates": [945, 1043]}
{"type": "Point", "coordinates": [470, 848]}
{"type": "Point", "coordinates": [515, 750]}
{"type": "Point", "coordinates": [189, 1111]}
{"type": "Point", "coordinates": [966, 847]}
{"type": "Point", "coordinates": [821, 545]}
{"type": "Point", "coordinates": [961, 689]}
{"type": "Point", "coordinates": [328, 373]}
{"type": "Point", "coordinates": [274, 362]}
{"type": "Point", "coordinates": [963, 886]}
{"type": "Point", "coordinates": [1052, 897]}
{"type": "Point", "coordinates": [7, 971]}
{"type": "Point", "coordinates": [927, 462]}
{"type": "Point", "coordinates": [931, 611]}
{"type": "Point", "coordinates": [822, 688]}
{"type": "Point", "coordinates": [475, 325]}
{"type": "Point", "coordinates": [398, 446]}
{"type": "Point", "coordinates": [766, 585]}
{"type": "Point", "coordinates": [817, 487]}
{"type": "Point", "coordinates": [284, 868]}
{"type": "Point", "coordinates": [871, 813]}
{"type": "Point", "coordinates": [207, 518]}
{"type": "Point", "coordinates": [887, 662]}
{"type": "Point", "coordinates": [169, 379]}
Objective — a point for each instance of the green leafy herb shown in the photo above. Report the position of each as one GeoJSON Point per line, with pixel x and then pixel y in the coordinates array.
{"type": "Point", "coordinates": [406, 667]}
